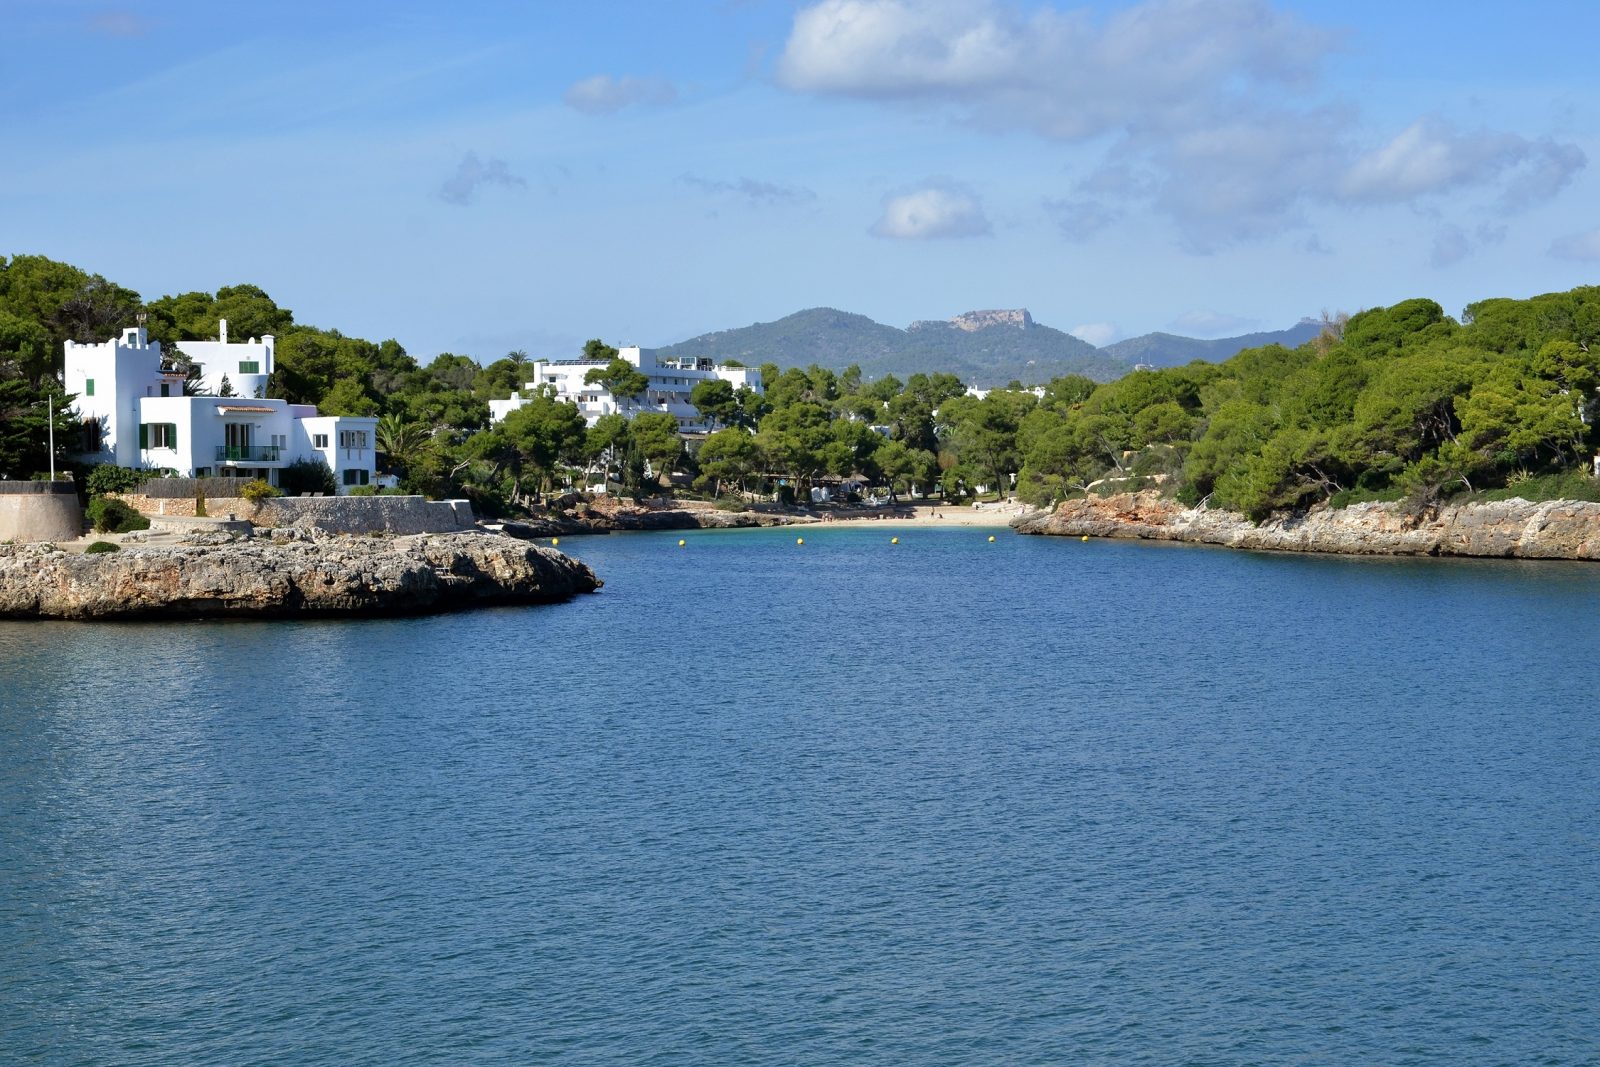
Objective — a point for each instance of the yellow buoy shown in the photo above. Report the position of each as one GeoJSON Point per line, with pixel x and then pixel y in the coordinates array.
{"type": "Point", "coordinates": [799, 540]}
{"type": "Point", "coordinates": [554, 541]}
{"type": "Point", "coordinates": [991, 538]}
{"type": "Point", "coordinates": [894, 540]}
{"type": "Point", "coordinates": [1086, 537]}
{"type": "Point", "coordinates": [681, 542]}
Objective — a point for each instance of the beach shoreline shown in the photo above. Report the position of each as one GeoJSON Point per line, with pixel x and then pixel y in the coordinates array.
{"type": "Point", "coordinates": [993, 514]}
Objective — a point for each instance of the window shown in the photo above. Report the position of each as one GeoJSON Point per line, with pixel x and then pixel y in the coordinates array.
{"type": "Point", "coordinates": [88, 387]}
{"type": "Point", "coordinates": [319, 440]}
{"type": "Point", "coordinates": [356, 476]}
{"type": "Point", "coordinates": [249, 366]}
{"type": "Point", "coordinates": [158, 435]}
{"type": "Point", "coordinates": [353, 439]}
{"type": "Point", "coordinates": [166, 390]}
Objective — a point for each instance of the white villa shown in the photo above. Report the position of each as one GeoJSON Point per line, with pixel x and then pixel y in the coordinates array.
{"type": "Point", "coordinates": [671, 381]}
{"type": "Point", "coordinates": [135, 413]}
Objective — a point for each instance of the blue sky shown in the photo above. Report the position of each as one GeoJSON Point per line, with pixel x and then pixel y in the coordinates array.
{"type": "Point", "coordinates": [528, 175]}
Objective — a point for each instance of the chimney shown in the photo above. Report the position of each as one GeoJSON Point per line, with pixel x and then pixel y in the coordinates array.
{"type": "Point", "coordinates": [222, 330]}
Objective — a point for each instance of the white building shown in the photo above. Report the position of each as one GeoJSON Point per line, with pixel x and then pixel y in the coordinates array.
{"type": "Point", "coordinates": [135, 414]}
{"type": "Point", "coordinates": [670, 383]}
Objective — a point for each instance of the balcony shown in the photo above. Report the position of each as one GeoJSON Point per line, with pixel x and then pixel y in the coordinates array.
{"type": "Point", "coordinates": [248, 453]}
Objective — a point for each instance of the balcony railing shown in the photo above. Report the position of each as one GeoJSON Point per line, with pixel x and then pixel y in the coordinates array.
{"type": "Point", "coordinates": [248, 453]}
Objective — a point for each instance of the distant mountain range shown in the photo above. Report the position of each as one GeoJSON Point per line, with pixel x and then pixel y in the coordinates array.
{"type": "Point", "coordinates": [1170, 350]}
{"type": "Point", "coordinates": [984, 348]}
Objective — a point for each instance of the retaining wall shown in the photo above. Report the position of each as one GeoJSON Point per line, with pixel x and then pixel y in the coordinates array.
{"type": "Point", "coordinates": [39, 511]}
{"type": "Point", "coordinates": [335, 514]}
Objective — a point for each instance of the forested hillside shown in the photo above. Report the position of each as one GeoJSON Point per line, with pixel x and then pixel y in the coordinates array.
{"type": "Point", "coordinates": [1402, 401]}
{"type": "Point", "coordinates": [1172, 350]}
{"type": "Point", "coordinates": [1405, 401]}
{"type": "Point", "coordinates": [993, 355]}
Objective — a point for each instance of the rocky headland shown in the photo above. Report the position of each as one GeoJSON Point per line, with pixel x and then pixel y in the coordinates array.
{"type": "Point", "coordinates": [285, 576]}
{"type": "Point", "coordinates": [1510, 529]}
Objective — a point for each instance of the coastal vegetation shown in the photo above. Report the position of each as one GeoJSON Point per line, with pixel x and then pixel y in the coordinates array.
{"type": "Point", "coordinates": [1403, 402]}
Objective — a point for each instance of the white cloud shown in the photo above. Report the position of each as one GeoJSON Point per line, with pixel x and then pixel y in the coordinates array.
{"type": "Point", "coordinates": [1080, 220]}
{"type": "Point", "coordinates": [1548, 168]}
{"type": "Point", "coordinates": [934, 211]}
{"type": "Point", "coordinates": [1098, 334]}
{"type": "Point", "coordinates": [1206, 110]}
{"type": "Point", "coordinates": [1204, 322]}
{"type": "Point", "coordinates": [472, 174]}
{"type": "Point", "coordinates": [1583, 247]}
{"type": "Point", "coordinates": [118, 22]}
{"type": "Point", "coordinates": [1450, 246]}
{"type": "Point", "coordinates": [760, 193]}
{"type": "Point", "coordinates": [1057, 73]}
{"type": "Point", "coordinates": [604, 95]}
{"type": "Point", "coordinates": [1430, 156]}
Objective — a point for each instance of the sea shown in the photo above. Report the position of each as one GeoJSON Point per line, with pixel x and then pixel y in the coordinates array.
{"type": "Point", "coordinates": [946, 801]}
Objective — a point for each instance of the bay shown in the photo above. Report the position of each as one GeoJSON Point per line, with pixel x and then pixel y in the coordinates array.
{"type": "Point", "coordinates": [947, 801]}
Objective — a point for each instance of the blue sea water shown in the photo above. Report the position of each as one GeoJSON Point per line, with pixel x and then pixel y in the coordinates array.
{"type": "Point", "coordinates": [948, 802]}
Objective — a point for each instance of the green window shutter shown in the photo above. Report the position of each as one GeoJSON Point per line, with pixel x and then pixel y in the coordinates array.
{"type": "Point", "coordinates": [144, 435]}
{"type": "Point", "coordinates": [88, 387]}
{"type": "Point", "coordinates": [172, 435]}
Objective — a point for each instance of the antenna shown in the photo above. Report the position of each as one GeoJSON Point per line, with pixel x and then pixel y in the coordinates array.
{"type": "Point", "coordinates": [141, 317]}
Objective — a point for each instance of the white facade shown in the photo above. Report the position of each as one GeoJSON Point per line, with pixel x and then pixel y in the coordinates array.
{"type": "Point", "coordinates": [246, 366]}
{"type": "Point", "coordinates": [134, 414]}
{"type": "Point", "coordinates": [670, 383]}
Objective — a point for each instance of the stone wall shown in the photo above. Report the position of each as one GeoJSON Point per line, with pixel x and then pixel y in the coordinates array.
{"type": "Point", "coordinates": [39, 511]}
{"type": "Point", "coordinates": [364, 514]}
{"type": "Point", "coordinates": [334, 514]}
{"type": "Point", "coordinates": [216, 506]}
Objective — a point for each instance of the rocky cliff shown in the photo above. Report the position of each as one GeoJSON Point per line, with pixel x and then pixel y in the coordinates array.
{"type": "Point", "coordinates": [261, 577]}
{"type": "Point", "coordinates": [1507, 529]}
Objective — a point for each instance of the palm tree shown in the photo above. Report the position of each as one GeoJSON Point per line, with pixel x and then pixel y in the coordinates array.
{"type": "Point", "coordinates": [401, 443]}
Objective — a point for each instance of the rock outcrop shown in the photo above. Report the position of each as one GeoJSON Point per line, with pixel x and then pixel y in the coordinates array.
{"type": "Point", "coordinates": [1511, 529]}
{"type": "Point", "coordinates": [266, 578]}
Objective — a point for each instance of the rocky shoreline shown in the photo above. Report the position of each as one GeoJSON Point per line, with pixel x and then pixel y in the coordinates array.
{"type": "Point", "coordinates": [266, 577]}
{"type": "Point", "coordinates": [1510, 529]}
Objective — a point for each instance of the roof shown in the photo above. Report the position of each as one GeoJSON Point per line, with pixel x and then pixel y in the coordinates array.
{"type": "Point", "coordinates": [252, 408]}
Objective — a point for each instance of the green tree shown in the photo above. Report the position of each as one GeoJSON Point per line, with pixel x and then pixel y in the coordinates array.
{"type": "Point", "coordinates": [655, 433]}
{"type": "Point", "coordinates": [622, 379]}
{"type": "Point", "coordinates": [596, 351]}
{"type": "Point", "coordinates": [715, 400]}
{"type": "Point", "coordinates": [728, 455]}
{"type": "Point", "coordinates": [401, 443]}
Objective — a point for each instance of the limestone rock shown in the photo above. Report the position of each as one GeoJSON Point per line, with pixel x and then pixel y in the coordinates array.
{"type": "Point", "coordinates": [328, 576]}
{"type": "Point", "coordinates": [1558, 529]}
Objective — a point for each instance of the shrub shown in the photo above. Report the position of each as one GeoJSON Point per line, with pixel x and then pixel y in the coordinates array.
{"type": "Point", "coordinates": [258, 489]}
{"type": "Point", "coordinates": [106, 478]}
{"type": "Point", "coordinates": [110, 515]}
{"type": "Point", "coordinates": [98, 547]}
{"type": "Point", "coordinates": [307, 476]}
{"type": "Point", "coordinates": [1345, 497]}
{"type": "Point", "coordinates": [363, 490]}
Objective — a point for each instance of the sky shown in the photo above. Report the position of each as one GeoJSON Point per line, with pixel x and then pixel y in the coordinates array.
{"type": "Point", "coordinates": [480, 177]}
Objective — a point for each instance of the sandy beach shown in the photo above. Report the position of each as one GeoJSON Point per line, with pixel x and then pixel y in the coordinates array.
{"type": "Point", "coordinates": [920, 514]}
